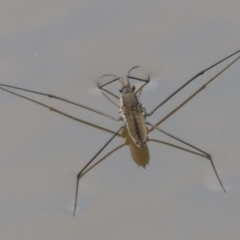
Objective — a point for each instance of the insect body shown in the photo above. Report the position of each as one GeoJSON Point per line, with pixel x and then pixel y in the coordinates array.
{"type": "Point", "coordinates": [134, 115]}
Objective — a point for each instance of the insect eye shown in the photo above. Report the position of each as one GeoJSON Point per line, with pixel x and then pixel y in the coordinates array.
{"type": "Point", "coordinates": [133, 88]}
{"type": "Point", "coordinates": [120, 90]}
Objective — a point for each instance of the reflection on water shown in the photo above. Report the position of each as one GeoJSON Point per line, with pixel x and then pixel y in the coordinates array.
{"type": "Point", "coordinates": [139, 155]}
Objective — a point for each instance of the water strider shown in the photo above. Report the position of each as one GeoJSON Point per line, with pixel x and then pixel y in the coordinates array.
{"type": "Point", "coordinates": [134, 115]}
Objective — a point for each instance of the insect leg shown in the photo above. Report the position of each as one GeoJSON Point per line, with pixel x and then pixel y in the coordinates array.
{"type": "Point", "coordinates": [177, 147]}
{"type": "Point", "coordinates": [100, 160]}
{"type": "Point", "coordinates": [189, 81]}
{"type": "Point", "coordinates": [79, 175]}
{"type": "Point", "coordinates": [139, 91]}
{"type": "Point", "coordinates": [208, 156]}
{"type": "Point", "coordinates": [105, 84]}
{"type": "Point", "coordinates": [109, 99]}
{"type": "Point", "coordinates": [109, 92]}
{"type": "Point", "coordinates": [101, 87]}
{"type": "Point", "coordinates": [140, 79]}
{"type": "Point", "coordinates": [63, 99]}
{"type": "Point", "coordinates": [194, 94]}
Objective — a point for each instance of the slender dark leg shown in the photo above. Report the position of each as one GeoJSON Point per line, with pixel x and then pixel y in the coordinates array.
{"type": "Point", "coordinates": [109, 92]}
{"type": "Point", "coordinates": [101, 87]}
{"type": "Point", "coordinates": [63, 99]}
{"type": "Point", "coordinates": [190, 80]}
{"type": "Point", "coordinates": [109, 99]}
{"type": "Point", "coordinates": [139, 91]}
{"type": "Point", "coordinates": [106, 75]}
{"type": "Point", "coordinates": [208, 156]}
{"type": "Point", "coordinates": [61, 113]}
{"type": "Point", "coordinates": [103, 158]}
{"type": "Point", "coordinates": [140, 79]}
{"type": "Point", "coordinates": [194, 94]}
{"type": "Point", "coordinates": [177, 147]}
{"type": "Point", "coordinates": [81, 172]}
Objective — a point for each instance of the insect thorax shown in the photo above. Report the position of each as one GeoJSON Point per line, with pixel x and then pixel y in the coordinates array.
{"type": "Point", "coordinates": [129, 103]}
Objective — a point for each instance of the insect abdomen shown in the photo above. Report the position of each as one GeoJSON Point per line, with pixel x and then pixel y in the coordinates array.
{"type": "Point", "coordinates": [136, 124]}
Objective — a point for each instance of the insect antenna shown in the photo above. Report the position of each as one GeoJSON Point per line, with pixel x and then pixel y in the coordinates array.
{"type": "Point", "coordinates": [129, 73]}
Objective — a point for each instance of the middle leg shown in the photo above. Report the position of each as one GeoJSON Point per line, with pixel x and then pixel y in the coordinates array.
{"type": "Point", "coordinates": [79, 175]}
